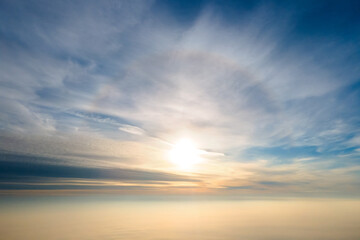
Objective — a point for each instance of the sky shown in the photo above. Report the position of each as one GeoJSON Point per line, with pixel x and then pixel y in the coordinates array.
{"type": "Point", "coordinates": [255, 97]}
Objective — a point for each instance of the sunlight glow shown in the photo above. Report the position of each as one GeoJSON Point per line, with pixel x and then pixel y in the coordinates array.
{"type": "Point", "coordinates": [184, 154]}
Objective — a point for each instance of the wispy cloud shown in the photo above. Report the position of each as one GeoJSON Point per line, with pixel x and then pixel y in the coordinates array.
{"type": "Point", "coordinates": [124, 80]}
{"type": "Point", "coordinates": [131, 129]}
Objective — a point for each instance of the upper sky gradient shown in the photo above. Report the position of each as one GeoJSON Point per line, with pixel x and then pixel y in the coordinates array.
{"type": "Point", "coordinates": [96, 95]}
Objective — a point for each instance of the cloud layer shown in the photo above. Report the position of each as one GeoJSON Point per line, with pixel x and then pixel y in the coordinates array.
{"type": "Point", "coordinates": [115, 84]}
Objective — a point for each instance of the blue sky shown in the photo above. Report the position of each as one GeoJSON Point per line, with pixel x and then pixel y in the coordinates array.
{"type": "Point", "coordinates": [94, 95]}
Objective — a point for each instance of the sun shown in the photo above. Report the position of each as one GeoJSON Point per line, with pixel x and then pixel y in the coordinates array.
{"type": "Point", "coordinates": [185, 154]}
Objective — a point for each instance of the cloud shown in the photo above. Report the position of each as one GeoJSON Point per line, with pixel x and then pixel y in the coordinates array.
{"type": "Point", "coordinates": [24, 169]}
{"type": "Point", "coordinates": [131, 129]}
{"type": "Point", "coordinates": [106, 83]}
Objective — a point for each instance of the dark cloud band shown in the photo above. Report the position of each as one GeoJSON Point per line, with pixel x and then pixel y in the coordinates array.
{"type": "Point", "coordinates": [16, 169]}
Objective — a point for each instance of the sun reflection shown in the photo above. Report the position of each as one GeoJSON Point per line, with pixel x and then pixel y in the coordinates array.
{"type": "Point", "coordinates": [185, 154]}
